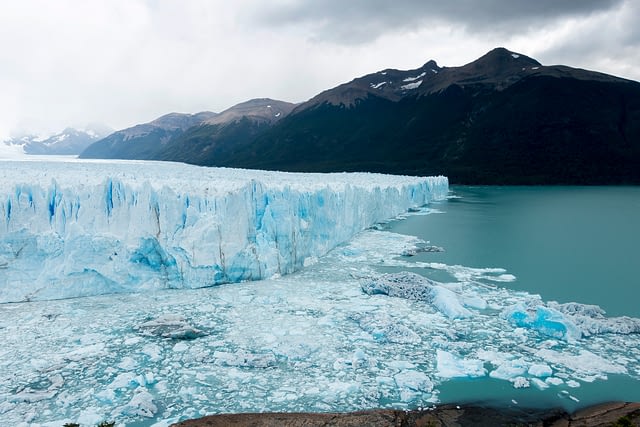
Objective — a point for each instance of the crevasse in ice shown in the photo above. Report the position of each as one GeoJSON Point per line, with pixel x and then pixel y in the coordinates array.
{"type": "Point", "coordinates": [70, 229]}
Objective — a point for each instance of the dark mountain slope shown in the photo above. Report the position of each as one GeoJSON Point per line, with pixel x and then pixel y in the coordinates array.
{"type": "Point", "coordinates": [221, 135]}
{"type": "Point", "coordinates": [144, 141]}
{"type": "Point", "coordinates": [503, 119]}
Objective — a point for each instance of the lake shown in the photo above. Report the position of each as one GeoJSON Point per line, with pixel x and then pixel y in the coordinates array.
{"type": "Point", "coordinates": [565, 243]}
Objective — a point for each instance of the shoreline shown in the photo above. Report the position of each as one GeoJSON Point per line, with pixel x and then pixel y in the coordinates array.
{"type": "Point", "coordinates": [604, 414]}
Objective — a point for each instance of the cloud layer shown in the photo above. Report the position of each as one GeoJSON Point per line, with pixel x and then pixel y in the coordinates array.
{"type": "Point", "coordinates": [122, 62]}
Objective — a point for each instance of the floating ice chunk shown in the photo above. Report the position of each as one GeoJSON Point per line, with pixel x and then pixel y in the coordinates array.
{"type": "Point", "coordinates": [85, 352]}
{"type": "Point", "coordinates": [421, 247]}
{"type": "Point", "coordinates": [180, 347]}
{"type": "Point", "coordinates": [448, 302]}
{"type": "Point", "coordinates": [91, 416]}
{"type": "Point", "coordinates": [591, 319]}
{"type": "Point", "coordinates": [573, 384]}
{"type": "Point", "coordinates": [170, 326]}
{"type": "Point", "coordinates": [44, 389]}
{"type": "Point", "coordinates": [153, 351]}
{"type": "Point", "coordinates": [569, 321]}
{"type": "Point", "coordinates": [140, 405]}
{"type": "Point", "coordinates": [245, 359]}
{"type": "Point", "coordinates": [124, 380]}
{"type": "Point", "coordinates": [475, 301]}
{"type": "Point", "coordinates": [384, 329]}
{"type": "Point", "coordinates": [401, 285]}
{"type": "Point", "coordinates": [539, 384]}
{"type": "Point", "coordinates": [413, 380]}
{"type": "Point", "coordinates": [521, 382]}
{"type": "Point", "coordinates": [358, 359]}
{"type": "Point", "coordinates": [450, 366]}
{"type": "Point", "coordinates": [127, 363]}
{"type": "Point", "coordinates": [540, 370]}
{"type": "Point", "coordinates": [543, 319]}
{"type": "Point", "coordinates": [509, 370]}
{"type": "Point", "coordinates": [554, 381]}
{"type": "Point", "coordinates": [400, 364]}
{"type": "Point", "coordinates": [467, 274]}
{"type": "Point", "coordinates": [413, 286]}
{"type": "Point", "coordinates": [583, 363]}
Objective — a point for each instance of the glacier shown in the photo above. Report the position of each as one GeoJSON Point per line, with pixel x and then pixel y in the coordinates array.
{"type": "Point", "coordinates": [78, 228]}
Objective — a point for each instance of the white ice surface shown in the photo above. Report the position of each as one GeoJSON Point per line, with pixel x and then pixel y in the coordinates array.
{"type": "Point", "coordinates": [78, 228]}
{"type": "Point", "coordinates": [11, 151]}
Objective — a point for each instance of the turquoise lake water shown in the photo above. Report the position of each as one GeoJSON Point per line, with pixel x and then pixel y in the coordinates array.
{"type": "Point", "coordinates": [567, 244]}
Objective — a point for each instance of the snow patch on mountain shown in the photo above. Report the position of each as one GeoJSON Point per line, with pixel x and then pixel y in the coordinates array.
{"type": "Point", "coordinates": [410, 86]}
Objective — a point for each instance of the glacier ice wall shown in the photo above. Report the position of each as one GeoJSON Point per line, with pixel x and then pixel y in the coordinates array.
{"type": "Point", "coordinates": [78, 228]}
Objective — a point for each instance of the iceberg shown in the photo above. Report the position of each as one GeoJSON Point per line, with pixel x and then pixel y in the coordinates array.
{"type": "Point", "coordinates": [413, 286]}
{"type": "Point", "coordinates": [569, 321]}
{"type": "Point", "coordinates": [81, 228]}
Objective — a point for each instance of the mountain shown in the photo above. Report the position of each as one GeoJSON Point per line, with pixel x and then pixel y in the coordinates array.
{"type": "Point", "coordinates": [68, 142]}
{"type": "Point", "coordinates": [223, 134]}
{"type": "Point", "coordinates": [502, 119]}
{"type": "Point", "coordinates": [193, 138]}
{"type": "Point", "coordinates": [145, 140]}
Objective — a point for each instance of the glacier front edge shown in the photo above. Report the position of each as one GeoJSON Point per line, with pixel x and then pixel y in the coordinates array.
{"type": "Point", "coordinates": [77, 228]}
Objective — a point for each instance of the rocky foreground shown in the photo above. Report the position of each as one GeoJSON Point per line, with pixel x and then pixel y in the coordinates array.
{"type": "Point", "coordinates": [608, 414]}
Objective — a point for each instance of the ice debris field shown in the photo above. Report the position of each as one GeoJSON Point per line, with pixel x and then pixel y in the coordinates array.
{"type": "Point", "coordinates": [357, 323]}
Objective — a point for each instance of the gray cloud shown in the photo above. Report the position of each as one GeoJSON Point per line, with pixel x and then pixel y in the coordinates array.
{"type": "Point", "coordinates": [124, 62]}
{"type": "Point", "coordinates": [358, 21]}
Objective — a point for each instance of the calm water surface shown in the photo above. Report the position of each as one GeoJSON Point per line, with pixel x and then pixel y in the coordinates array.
{"type": "Point", "coordinates": [565, 243]}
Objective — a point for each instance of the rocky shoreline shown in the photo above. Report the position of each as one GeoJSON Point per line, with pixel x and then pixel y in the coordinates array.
{"type": "Point", "coordinates": [607, 414]}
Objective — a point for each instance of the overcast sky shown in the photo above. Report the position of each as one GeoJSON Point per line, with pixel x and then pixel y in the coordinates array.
{"type": "Point", "coordinates": [123, 62]}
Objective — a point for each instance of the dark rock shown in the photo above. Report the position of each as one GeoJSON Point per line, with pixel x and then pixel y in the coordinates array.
{"type": "Point", "coordinates": [171, 327]}
{"type": "Point", "coordinates": [443, 416]}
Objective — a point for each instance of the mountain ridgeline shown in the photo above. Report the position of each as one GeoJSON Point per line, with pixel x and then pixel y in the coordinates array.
{"type": "Point", "coordinates": [68, 142]}
{"type": "Point", "coordinates": [502, 119]}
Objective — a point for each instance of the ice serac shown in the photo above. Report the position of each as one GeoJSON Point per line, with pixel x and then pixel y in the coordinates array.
{"type": "Point", "coordinates": [80, 228]}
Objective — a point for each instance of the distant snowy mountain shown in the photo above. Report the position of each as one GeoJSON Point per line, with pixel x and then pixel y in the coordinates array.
{"type": "Point", "coordinates": [68, 142]}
